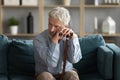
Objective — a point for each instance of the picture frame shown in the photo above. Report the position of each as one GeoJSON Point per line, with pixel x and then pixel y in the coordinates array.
{"type": "Point", "coordinates": [29, 2]}
{"type": "Point", "coordinates": [11, 2]}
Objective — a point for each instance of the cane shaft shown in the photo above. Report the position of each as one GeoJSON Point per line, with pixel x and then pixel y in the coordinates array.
{"type": "Point", "coordinates": [64, 58]}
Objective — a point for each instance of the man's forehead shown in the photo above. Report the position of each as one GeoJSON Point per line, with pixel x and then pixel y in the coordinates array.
{"type": "Point", "coordinates": [56, 24]}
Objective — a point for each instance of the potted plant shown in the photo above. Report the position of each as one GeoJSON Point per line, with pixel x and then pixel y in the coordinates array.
{"type": "Point", "coordinates": [13, 23]}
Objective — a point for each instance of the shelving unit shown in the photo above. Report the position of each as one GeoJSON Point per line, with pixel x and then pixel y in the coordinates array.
{"type": "Point", "coordinates": [102, 7]}
{"type": "Point", "coordinates": [0, 18]}
{"type": "Point", "coordinates": [82, 13]}
{"type": "Point", "coordinates": [102, 11]}
{"type": "Point", "coordinates": [20, 12]}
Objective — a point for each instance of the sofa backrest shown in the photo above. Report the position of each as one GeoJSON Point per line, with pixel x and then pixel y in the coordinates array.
{"type": "Point", "coordinates": [89, 45]}
{"type": "Point", "coordinates": [21, 57]}
{"type": "Point", "coordinates": [3, 54]}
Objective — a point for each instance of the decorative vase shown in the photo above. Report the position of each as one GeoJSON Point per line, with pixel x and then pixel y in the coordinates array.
{"type": "Point", "coordinates": [14, 29]}
{"type": "Point", "coordinates": [66, 2]}
{"type": "Point", "coordinates": [109, 26]}
{"type": "Point", "coordinates": [96, 2]}
{"type": "Point", "coordinates": [30, 23]}
{"type": "Point", "coordinates": [95, 24]}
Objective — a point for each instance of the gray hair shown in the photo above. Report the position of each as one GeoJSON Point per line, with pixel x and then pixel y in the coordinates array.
{"type": "Point", "coordinates": [61, 14]}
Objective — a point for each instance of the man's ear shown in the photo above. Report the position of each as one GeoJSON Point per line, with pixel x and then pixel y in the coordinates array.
{"type": "Point", "coordinates": [70, 24]}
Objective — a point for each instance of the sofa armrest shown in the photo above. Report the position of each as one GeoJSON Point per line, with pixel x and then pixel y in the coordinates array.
{"type": "Point", "coordinates": [105, 61]}
{"type": "Point", "coordinates": [116, 51]}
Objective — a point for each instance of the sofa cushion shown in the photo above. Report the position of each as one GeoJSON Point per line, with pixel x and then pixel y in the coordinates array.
{"type": "Point", "coordinates": [3, 77]}
{"type": "Point", "coordinates": [91, 76]}
{"type": "Point", "coordinates": [20, 77]}
{"type": "Point", "coordinates": [3, 54]}
{"type": "Point", "coordinates": [89, 45]}
{"type": "Point", "coordinates": [21, 57]}
{"type": "Point", "coordinates": [116, 66]}
{"type": "Point", "coordinates": [105, 62]}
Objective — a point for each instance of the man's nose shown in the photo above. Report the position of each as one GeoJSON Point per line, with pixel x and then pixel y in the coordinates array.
{"type": "Point", "coordinates": [52, 28]}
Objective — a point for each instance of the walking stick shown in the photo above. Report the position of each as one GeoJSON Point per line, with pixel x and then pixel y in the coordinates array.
{"type": "Point", "coordinates": [65, 56]}
{"type": "Point", "coordinates": [64, 59]}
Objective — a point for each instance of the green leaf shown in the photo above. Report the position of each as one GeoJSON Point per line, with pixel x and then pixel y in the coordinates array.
{"type": "Point", "coordinates": [13, 21]}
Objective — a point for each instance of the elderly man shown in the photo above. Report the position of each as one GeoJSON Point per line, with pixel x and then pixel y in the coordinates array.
{"type": "Point", "coordinates": [49, 48]}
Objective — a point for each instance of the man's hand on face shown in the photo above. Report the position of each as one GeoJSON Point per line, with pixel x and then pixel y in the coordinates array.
{"type": "Point", "coordinates": [68, 33]}
{"type": "Point", "coordinates": [56, 37]}
{"type": "Point", "coordinates": [62, 32]}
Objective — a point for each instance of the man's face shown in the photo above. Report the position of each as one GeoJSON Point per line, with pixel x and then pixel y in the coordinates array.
{"type": "Point", "coordinates": [54, 25]}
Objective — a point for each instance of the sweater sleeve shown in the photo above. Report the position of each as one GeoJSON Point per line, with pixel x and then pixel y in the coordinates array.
{"type": "Point", "coordinates": [47, 51]}
{"type": "Point", "coordinates": [74, 51]}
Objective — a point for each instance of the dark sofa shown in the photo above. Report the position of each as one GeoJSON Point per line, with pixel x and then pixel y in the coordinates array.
{"type": "Point", "coordinates": [101, 61]}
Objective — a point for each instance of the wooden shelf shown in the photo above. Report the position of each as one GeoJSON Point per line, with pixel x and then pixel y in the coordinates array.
{"type": "Point", "coordinates": [71, 6]}
{"type": "Point", "coordinates": [102, 6]}
{"type": "Point", "coordinates": [22, 35]}
{"type": "Point", "coordinates": [44, 6]}
{"type": "Point", "coordinates": [6, 6]}
{"type": "Point", "coordinates": [111, 35]}
{"type": "Point", "coordinates": [105, 35]}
